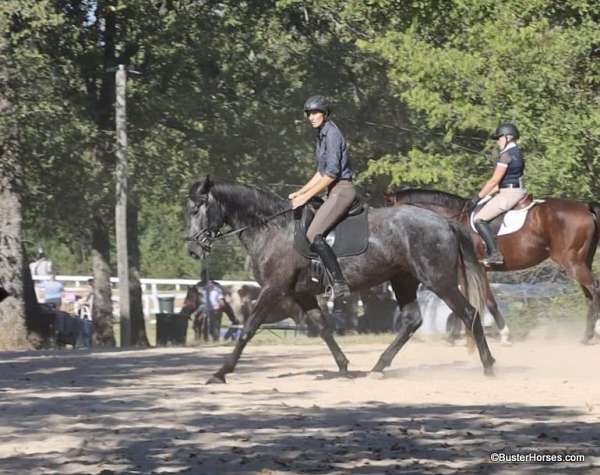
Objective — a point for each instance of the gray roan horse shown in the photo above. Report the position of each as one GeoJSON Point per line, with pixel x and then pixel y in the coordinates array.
{"type": "Point", "coordinates": [406, 246]}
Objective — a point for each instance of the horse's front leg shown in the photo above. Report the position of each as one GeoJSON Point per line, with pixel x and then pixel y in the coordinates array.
{"type": "Point", "coordinates": [267, 297]}
{"type": "Point", "coordinates": [313, 312]}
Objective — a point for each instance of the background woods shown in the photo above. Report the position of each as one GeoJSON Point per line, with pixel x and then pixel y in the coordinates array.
{"type": "Point", "coordinates": [417, 86]}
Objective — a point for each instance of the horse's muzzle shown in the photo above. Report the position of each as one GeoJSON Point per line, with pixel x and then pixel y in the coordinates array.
{"type": "Point", "coordinates": [202, 239]}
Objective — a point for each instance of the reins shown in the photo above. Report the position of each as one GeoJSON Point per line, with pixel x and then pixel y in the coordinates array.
{"type": "Point", "coordinates": [233, 232]}
{"type": "Point", "coordinates": [262, 222]}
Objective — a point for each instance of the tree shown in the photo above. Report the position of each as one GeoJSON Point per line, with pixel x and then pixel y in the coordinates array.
{"type": "Point", "coordinates": [464, 67]}
{"type": "Point", "coordinates": [21, 24]}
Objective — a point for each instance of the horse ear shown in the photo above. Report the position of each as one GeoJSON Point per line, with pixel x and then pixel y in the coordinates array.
{"type": "Point", "coordinates": [207, 184]}
{"type": "Point", "coordinates": [201, 188]}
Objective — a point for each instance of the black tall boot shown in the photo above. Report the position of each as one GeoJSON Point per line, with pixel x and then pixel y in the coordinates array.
{"type": "Point", "coordinates": [341, 291]}
{"type": "Point", "coordinates": [493, 254]}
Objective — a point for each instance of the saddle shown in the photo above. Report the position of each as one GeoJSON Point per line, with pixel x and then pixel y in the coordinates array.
{"type": "Point", "coordinates": [510, 221]}
{"type": "Point", "coordinates": [349, 237]}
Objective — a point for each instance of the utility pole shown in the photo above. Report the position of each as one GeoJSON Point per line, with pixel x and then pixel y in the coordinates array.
{"type": "Point", "coordinates": [121, 205]}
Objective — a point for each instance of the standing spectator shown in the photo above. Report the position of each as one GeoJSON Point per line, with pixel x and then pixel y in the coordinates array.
{"type": "Point", "coordinates": [53, 291]}
{"type": "Point", "coordinates": [87, 301]}
{"type": "Point", "coordinates": [214, 302]}
{"type": "Point", "coordinates": [42, 266]}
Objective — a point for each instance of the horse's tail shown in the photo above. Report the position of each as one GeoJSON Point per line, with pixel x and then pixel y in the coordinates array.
{"type": "Point", "coordinates": [474, 275]}
{"type": "Point", "coordinates": [595, 210]}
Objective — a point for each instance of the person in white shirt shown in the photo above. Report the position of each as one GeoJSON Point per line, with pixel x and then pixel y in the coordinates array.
{"type": "Point", "coordinates": [42, 266]}
{"type": "Point", "coordinates": [214, 302]}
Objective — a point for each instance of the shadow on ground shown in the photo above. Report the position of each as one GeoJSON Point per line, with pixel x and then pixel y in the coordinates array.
{"type": "Point", "coordinates": [148, 412]}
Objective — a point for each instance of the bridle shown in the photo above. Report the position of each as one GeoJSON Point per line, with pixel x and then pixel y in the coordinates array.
{"type": "Point", "coordinates": [206, 237]}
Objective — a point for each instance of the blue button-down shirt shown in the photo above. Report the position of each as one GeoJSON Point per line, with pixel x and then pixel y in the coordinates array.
{"type": "Point", "coordinates": [331, 153]}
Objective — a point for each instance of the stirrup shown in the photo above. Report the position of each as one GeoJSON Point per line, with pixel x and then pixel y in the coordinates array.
{"type": "Point", "coordinates": [495, 258]}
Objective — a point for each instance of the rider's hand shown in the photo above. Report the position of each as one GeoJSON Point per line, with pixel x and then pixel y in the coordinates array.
{"type": "Point", "coordinates": [299, 200]}
{"type": "Point", "coordinates": [473, 202]}
{"type": "Point", "coordinates": [291, 196]}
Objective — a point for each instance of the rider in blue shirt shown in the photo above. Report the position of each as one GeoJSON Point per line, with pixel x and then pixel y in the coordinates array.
{"type": "Point", "coordinates": [334, 174]}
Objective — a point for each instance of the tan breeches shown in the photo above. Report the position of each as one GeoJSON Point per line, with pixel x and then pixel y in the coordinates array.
{"type": "Point", "coordinates": [337, 203]}
{"type": "Point", "coordinates": [502, 201]}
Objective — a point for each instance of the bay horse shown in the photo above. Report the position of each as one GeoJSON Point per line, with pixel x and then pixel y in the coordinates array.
{"type": "Point", "coordinates": [406, 246]}
{"type": "Point", "coordinates": [563, 230]}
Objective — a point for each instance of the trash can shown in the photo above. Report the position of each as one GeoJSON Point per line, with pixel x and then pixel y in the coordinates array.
{"type": "Point", "coordinates": [166, 304]}
{"type": "Point", "coordinates": [171, 328]}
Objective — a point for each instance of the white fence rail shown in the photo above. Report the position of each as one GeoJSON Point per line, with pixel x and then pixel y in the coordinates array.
{"type": "Point", "coordinates": [434, 311]}
{"type": "Point", "coordinates": [152, 289]}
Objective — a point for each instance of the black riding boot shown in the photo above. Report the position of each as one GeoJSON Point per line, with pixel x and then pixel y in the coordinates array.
{"type": "Point", "coordinates": [493, 254]}
{"type": "Point", "coordinates": [341, 291]}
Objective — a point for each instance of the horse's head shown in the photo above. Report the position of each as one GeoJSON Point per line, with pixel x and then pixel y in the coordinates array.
{"type": "Point", "coordinates": [191, 301]}
{"type": "Point", "coordinates": [204, 218]}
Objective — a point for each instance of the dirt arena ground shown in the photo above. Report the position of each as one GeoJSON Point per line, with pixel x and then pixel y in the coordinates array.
{"type": "Point", "coordinates": [287, 410]}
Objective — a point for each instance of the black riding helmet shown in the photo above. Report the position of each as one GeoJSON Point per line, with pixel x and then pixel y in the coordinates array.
{"type": "Point", "coordinates": [317, 103]}
{"type": "Point", "coordinates": [506, 129]}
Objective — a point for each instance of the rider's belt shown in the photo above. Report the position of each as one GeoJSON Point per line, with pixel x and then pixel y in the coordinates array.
{"type": "Point", "coordinates": [510, 186]}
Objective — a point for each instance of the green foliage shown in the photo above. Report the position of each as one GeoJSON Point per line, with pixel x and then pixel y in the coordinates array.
{"type": "Point", "coordinates": [164, 253]}
{"type": "Point", "coordinates": [417, 87]}
{"type": "Point", "coordinates": [476, 64]}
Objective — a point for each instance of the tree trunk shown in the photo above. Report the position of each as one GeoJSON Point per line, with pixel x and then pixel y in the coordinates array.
{"type": "Point", "coordinates": [13, 332]}
{"type": "Point", "coordinates": [101, 97]}
{"type": "Point", "coordinates": [102, 313]}
{"type": "Point", "coordinates": [136, 312]}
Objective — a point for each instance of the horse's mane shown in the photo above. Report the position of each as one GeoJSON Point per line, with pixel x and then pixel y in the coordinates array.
{"type": "Point", "coordinates": [249, 203]}
{"type": "Point", "coordinates": [429, 197]}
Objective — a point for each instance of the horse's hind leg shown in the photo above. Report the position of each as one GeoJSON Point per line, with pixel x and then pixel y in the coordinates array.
{"type": "Point", "coordinates": [590, 286]}
{"type": "Point", "coordinates": [492, 306]}
{"type": "Point", "coordinates": [311, 308]}
{"type": "Point", "coordinates": [581, 271]}
{"type": "Point", "coordinates": [463, 309]}
{"type": "Point", "coordinates": [453, 328]}
{"type": "Point", "coordinates": [592, 294]}
{"type": "Point", "coordinates": [405, 289]}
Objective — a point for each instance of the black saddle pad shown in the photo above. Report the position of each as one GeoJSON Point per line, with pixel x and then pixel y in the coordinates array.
{"type": "Point", "coordinates": [350, 237]}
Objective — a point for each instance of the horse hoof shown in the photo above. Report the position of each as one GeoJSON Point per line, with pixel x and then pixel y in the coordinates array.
{"type": "Point", "coordinates": [458, 342]}
{"type": "Point", "coordinates": [216, 380]}
{"type": "Point", "coordinates": [506, 343]}
{"type": "Point", "coordinates": [375, 374]}
{"type": "Point", "coordinates": [589, 341]}
{"type": "Point", "coordinates": [489, 371]}
{"type": "Point", "coordinates": [378, 368]}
